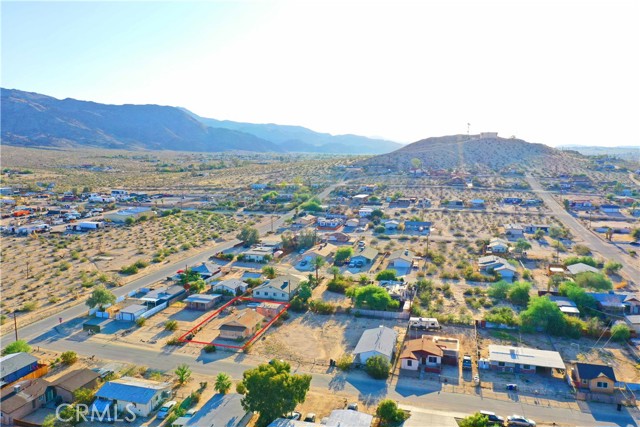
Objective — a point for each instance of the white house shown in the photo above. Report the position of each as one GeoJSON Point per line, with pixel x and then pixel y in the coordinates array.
{"type": "Point", "coordinates": [234, 286]}
{"type": "Point", "coordinates": [498, 246]}
{"type": "Point", "coordinates": [282, 288]}
{"type": "Point", "coordinates": [380, 341]}
{"type": "Point", "coordinates": [392, 224]}
{"type": "Point", "coordinates": [352, 222]}
{"type": "Point", "coordinates": [490, 264]}
{"type": "Point", "coordinates": [329, 222]}
{"type": "Point", "coordinates": [122, 215]}
{"type": "Point", "coordinates": [401, 259]}
{"type": "Point", "coordinates": [513, 231]}
{"type": "Point", "coordinates": [259, 254]}
{"type": "Point", "coordinates": [365, 212]}
{"type": "Point", "coordinates": [137, 395]}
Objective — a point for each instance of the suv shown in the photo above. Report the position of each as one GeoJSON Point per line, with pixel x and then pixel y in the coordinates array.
{"type": "Point", "coordinates": [466, 363]}
{"type": "Point", "coordinates": [520, 421]}
{"type": "Point", "coordinates": [493, 418]}
{"type": "Point", "coordinates": [352, 406]}
{"type": "Point", "coordinates": [166, 408]}
{"type": "Point", "coordinates": [310, 418]}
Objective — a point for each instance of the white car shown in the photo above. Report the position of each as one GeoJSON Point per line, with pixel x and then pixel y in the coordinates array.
{"type": "Point", "coordinates": [520, 421]}
{"type": "Point", "coordinates": [166, 408]}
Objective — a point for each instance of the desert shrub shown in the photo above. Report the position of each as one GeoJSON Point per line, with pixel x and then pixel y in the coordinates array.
{"type": "Point", "coordinates": [69, 357]}
{"type": "Point", "coordinates": [345, 362]}
{"type": "Point", "coordinates": [210, 348]}
{"type": "Point", "coordinates": [620, 332]}
{"type": "Point", "coordinates": [170, 325]}
{"type": "Point", "coordinates": [321, 307]}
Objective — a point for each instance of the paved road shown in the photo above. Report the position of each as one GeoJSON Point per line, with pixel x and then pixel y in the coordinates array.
{"type": "Point", "coordinates": [631, 267]}
{"type": "Point", "coordinates": [406, 391]}
{"type": "Point", "coordinates": [34, 329]}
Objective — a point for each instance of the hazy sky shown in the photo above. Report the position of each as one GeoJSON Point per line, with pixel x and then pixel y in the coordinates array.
{"type": "Point", "coordinates": [556, 72]}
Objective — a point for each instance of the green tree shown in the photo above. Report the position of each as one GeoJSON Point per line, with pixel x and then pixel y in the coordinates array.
{"type": "Point", "coordinates": [189, 276]}
{"type": "Point", "coordinates": [386, 275]}
{"type": "Point", "coordinates": [502, 315]}
{"type": "Point", "coordinates": [584, 302]}
{"type": "Point", "coordinates": [416, 163]}
{"type": "Point", "coordinates": [519, 293]}
{"type": "Point", "coordinates": [620, 332]}
{"type": "Point", "coordinates": [373, 297]}
{"type": "Point", "coordinates": [100, 297]}
{"type": "Point", "coordinates": [389, 413]}
{"type": "Point", "coordinates": [475, 420]}
{"type": "Point", "coordinates": [317, 263]}
{"type": "Point", "coordinates": [269, 271]}
{"type": "Point", "coordinates": [197, 287]}
{"type": "Point", "coordinates": [19, 346]}
{"type": "Point", "coordinates": [248, 235]}
{"type": "Point", "coordinates": [376, 215]}
{"type": "Point", "coordinates": [377, 367]}
{"type": "Point", "coordinates": [612, 267]}
{"type": "Point", "coordinates": [343, 254]}
{"type": "Point", "coordinates": [83, 395]}
{"type": "Point", "coordinates": [69, 357]}
{"type": "Point", "coordinates": [334, 271]}
{"type": "Point", "coordinates": [592, 280]}
{"type": "Point", "coordinates": [522, 245]}
{"type": "Point", "coordinates": [223, 383]}
{"type": "Point", "coordinates": [129, 220]}
{"type": "Point", "coordinates": [543, 314]}
{"type": "Point", "coordinates": [635, 234]}
{"type": "Point", "coordinates": [183, 372]}
{"type": "Point", "coordinates": [272, 391]}
{"type": "Point", "coordinates": [580, 260]}
{"type": "Point", "coordinates": [499, 290]}
{"type": "Point", "coordinates": [49, 421]}
{"type": "Point", "coordinates": [304, 291]}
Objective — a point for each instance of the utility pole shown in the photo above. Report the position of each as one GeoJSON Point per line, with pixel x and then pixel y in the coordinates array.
{"type": "Point", "coordinates": [15, 324]}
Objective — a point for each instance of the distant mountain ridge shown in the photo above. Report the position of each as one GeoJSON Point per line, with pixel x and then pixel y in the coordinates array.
{"type": "Point", "coordinates": [35, 120]}
{"type": "Point", "coordinates": [482, 151]}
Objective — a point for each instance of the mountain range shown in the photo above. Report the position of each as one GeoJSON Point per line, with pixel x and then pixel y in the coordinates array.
{"type": "Point", "coordinates": [35, 120]}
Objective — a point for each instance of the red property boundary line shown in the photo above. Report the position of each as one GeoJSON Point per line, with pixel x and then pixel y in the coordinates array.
{"type": "Point", "coordinates": [182, 338]}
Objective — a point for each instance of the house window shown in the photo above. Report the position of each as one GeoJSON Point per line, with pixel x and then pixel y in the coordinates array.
{"type": "Point", "coordinates": [409, 362]}
{"type": "Point", "coordinates": [282, 295]}
{"type": "Point", "coordinates": [501, 364]}
{"type": "Point", "coordinates": [602, 384]}
{"type": "Point", "coordinates": [433, 359]}
{"type": "Point", "coordinates": [526, 366]}
{"type": "Point", "coordinates": [585, 382]}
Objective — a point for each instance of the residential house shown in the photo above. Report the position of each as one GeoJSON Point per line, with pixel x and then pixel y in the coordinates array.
{"type": "Point", "coordinates": [493, 264]}
{"type": "Point", "coordinates": [401, 259]}
{"type": "Point", "coordinates": [164, 294]}
{"type": "Point", "coordinates": [594, 377]}
{"type": "Point", "coordinates": [258, 254]}
{"type": "Point", "coordinates": [523, 360]}
{"type": "Point", "coordinates": [241, 325]}
{"type": "Point", "coordinates": [128, 394]}
{"type": "Point", "coordinates": [131, 312]}
{"type": "Point", "coordinates": [365, 212]}
{"type": "Point", "coordinates": [337, 418]}
{"type": "Point", "coordinates": [565, 305]}
{"type": "Point", "coordinates": [331, 223]}
{"type": "Point", "coordinates": [282, 288]}
{"type": "Point", "coordinates": [338, 237]}
{"type": "Point", "coordinates": [271, 242]}
{"type": "Point", "coordinates": [575, 269]}
{"type": "Point", "coordinates": [123, 215]}
{"type": "Point", "coordinates": [352, 222]}
{"type": "Point", "coordinates": [202, 302]}
{"type": "Point", "coordinates": [512, 200]}
{"type": "Point", "coordinates": [221, 410]}
{"type": "Point", "coordinates": [16, 366]}
{"type": "Point", "coordinates": [366, 256]}
{"type": "Point", "coordinates": [533, 228]}
{"type": "Point", "coordinates": [617, 303]}
{"type": "Point", "coordinates": [21, 399]}
{"type": "Point", "coordinates": [232, 286]}
{"type": "Point", "coordinates": [391, 224]}
{"type": "Point", "coordinates": [429, 353]}
{"type": "Point", "coordinates": [610, 208]}
{"type": "Point", "coordinates": [207, 271]}
{"type": "Point", "coordinates": [514, 231]}
{"type": "Point", "coordinates": [379, 341]}
{"type": "Point", "coordinates": [456, 203]}
{"type": "Point", "coordinates": [401, 203]}
{"type": "Point", "coordinates": [498, 246]}
{"type": "Point", "coordinates": [269, 309]}
{"type": "Point", "coordinates": [305, 220]}
{"type": "Point", "coordinates": [360, 198]}
{"type": "Point", "coordinates": [67, 384]}
{"type": "Point", "coordinates": [423, 227]}
{"type": "Point", "coordinates": [581, 204]}
{"type": "Point", "coordinates": [633, 321]}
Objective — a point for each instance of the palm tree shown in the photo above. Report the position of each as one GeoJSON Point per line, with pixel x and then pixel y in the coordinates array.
{"type": "Point", "coordinates": [318, 262]}
{"type": "Point", "coordinates": [335, 271]}
{"type": "Point", "coordinates": [183, 372]}
{"type": "Point", "coordinates": [269, 271]}
{"type": "Point", "coordinates": [223, 383]}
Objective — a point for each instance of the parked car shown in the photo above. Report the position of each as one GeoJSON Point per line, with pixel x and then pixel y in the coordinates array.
{"type": "Point", "coordinates": [303, 263]}
{"type": "Point", "coordinates": [190, 413]}
{"type": "Point", "coordinates": [359, 264]}
{"type": "Point", "coordinates": [352, 406]}
{"type": "Point", "coordinates": [293, 416]}
{"type": "Point", "coordinates": [512, 387]}
{"type": "Point", "coordinates": [519, 420]}
{"type": "Point", "coordinates": [352, 264]}
{"type": "Point", "coordinates": [166, 408]}
{"type": "Point", "coordinates": [310, 418]}
{"type": "Point", "coordinates": [493, 418]}
{"type": "Point", "coordinates": [466, 363]}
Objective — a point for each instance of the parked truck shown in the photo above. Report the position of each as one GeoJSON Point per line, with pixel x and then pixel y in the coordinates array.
{"type": "Point", "coordinates": [427, 323]}
{"type": "Point", "coordinates": [466, 363]}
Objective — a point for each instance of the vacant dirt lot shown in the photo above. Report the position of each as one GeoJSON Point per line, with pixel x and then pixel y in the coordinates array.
{"type": "Point", "coordinates": [311, 338]}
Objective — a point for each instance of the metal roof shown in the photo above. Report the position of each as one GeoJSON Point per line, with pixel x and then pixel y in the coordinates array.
{"type": "Point", "coordinates": [14, 362]}
{"type": "Point", "coordinates": [525, 356]}
{"type": "Point", "coordinates": [231, 284]}
{"type": "Point", "coordinates": [134, 308]}
{"type": "Point", "coordinates": [580, 268]}
{"type": "Point", "coordinates": [205, 298]}
{"type": "Point", "coordinates": [221, 410]}
{"type": "Point", "coordinates": [345, 417]}
{"type": "Point", "coordinates": [368, 253]}
{"type": "Point", "coordinates": [130, 389]}
{"type": "Point", "coordinates": [381, 340]}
